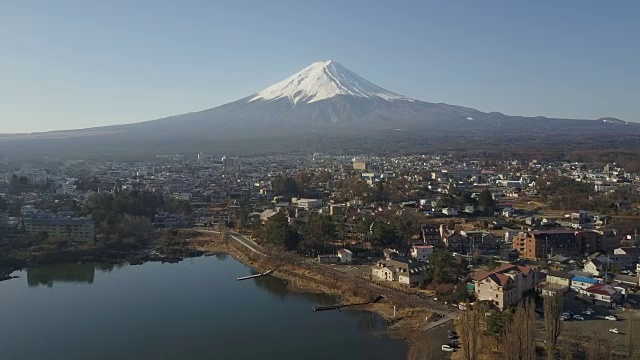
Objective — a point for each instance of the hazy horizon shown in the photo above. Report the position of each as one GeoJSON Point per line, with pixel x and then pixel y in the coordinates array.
{"type": "Point", "coordinates": [73, 65]}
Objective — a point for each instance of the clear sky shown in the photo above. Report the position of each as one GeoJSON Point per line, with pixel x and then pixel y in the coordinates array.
{"type": "Point", "coordinates": [74, 64]}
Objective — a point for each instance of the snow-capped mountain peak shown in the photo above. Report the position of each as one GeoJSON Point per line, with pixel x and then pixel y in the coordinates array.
{"type": "Point", "coordinates": [324, 80]}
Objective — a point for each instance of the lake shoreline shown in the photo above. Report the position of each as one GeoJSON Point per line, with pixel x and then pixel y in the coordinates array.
{"type": "Point", "coordinates": [406, 326]}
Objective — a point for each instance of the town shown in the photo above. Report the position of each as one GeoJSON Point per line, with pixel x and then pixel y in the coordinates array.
{"type": "Point", "coordinates": [451, 231]}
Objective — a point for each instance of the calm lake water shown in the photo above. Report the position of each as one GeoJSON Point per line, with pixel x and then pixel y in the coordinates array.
{"type": "Point", "coordinates": [192, 310]}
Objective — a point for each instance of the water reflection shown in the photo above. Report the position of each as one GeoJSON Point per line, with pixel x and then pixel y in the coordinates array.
{"type": "Point", "coordinates": [63, 273]}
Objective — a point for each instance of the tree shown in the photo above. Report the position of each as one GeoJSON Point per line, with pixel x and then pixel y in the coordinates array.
{"type": "Point", "coordinates": [285, 186]}
{"type": "Point", "coordinates": [276, 231]}
{"type": "Point", "coordinates": [497, 324]}
{"type": "Point", "coordinates": [520, 335]}
{"type": "Point", "coordinates": [469, 327]}
{"type": "Point", "coordinates": [552, 323]}
{"type": "Point", "coordinates": [492, 264]}
{"type": "Point", "coordinates": [486, 202]}
{"type": "Point", "coordinates": [443, 268]}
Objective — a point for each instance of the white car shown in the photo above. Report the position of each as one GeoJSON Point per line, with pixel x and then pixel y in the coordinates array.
{"type": "Point", "coordinates": [448, 348]}
{"type": "Point", "coordinates": [578, 317]}
{"type": "Point", "coordinates": [611, 317]}
{"type": "Point", "coordinates": [614, 330]}
{"type": "Point", "coordinates": [588, 312]}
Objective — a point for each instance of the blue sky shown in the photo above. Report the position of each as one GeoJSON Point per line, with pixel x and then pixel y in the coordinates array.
{"type": "Point", "coordinates": [73, 64]}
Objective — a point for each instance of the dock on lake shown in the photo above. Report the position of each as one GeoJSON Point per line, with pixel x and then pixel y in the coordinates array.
{"type": "Point", "coordinates": [255, 276]}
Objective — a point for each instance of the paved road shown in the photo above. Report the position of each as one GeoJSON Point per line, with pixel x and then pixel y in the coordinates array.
{"type": "Point", "coordinates": [246, 242]}
{"type": "Point", "coordinates": [251, 245]}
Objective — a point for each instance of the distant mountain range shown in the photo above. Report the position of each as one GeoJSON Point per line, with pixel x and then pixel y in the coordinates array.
{"type": "Point", "coordinates": [324, 99]}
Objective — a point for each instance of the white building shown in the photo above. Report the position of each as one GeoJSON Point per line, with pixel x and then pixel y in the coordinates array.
{"type": "Point", "coordinates": [421, 252]}
{"type": "Point", "coordinates": [345, 256]}
{"type": "Point", "coordinates": [307, 203]}
{"type": "Point", "coordinates": [450, 211]}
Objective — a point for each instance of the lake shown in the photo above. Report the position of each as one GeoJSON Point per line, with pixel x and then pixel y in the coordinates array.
{"type": "Point", "coordinates": [195, 309]}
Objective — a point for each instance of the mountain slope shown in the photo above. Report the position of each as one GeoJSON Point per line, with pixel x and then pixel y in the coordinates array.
{"type": "Point", "coordinates": [324, 99]}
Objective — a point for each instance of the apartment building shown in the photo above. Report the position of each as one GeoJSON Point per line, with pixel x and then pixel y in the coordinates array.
{"type": "Point", "coordinates": [534, 245]}
{"type": "Point", "coordinates": [504, 286]}
{"type": "Point", "coordinates": [62, 228]}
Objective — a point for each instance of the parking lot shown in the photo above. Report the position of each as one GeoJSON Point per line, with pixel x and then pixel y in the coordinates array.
{"type": "Point", "coordinates": [596, 326]}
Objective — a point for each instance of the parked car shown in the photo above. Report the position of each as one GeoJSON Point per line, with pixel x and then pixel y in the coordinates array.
{"type": "Point", "coordinates": [588, 312]}
{"type": "Point", "coordinates": [564, 318]}
{"type": "Point", "coordinates": [453, 336]}
{"type": "Point", "coordinates": [614, 330]}
{"type": "Point", "coordinates": [631, 301]}
{"type": "Point", "coordinates": [454, 342]}
{"type": "Point", "coordinates": [448, 348]}
{"type": "Point", "coordinates": [611, 317]}
{"type": "Point", "coordinates": [578, 317]}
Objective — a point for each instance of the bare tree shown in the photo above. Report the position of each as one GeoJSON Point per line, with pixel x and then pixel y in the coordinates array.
{"type": "Point", "coordinates": [469, 333]}
{"type": "Point", "coordinates": [520, 344]}
{"type": "Point", "coordinates": [630, 324]}
{"type": "Point", "coordinates": [552, 323]}
{"type": "Point", "coordinates": [598, 348]}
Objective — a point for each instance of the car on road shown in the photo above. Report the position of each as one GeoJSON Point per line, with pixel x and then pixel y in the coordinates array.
{"type": "Point", "coordinates": [564, 318]}
{"type": "Point", "coordinates": [614, 330]}
{"type": "Point", "coordinates": [588, 312]}
{"type": "Point", "coordinates": [448, 348]}
{"type": "Point", "coordinates": [631, 301]}
{"type": "Point", "coordinates": [611, 317]}
{"type": "Point", "coordinates": [578, 317]}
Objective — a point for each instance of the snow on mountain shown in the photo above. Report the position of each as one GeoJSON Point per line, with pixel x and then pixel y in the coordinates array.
{"type": "Point", "coordinates": [324, 80]}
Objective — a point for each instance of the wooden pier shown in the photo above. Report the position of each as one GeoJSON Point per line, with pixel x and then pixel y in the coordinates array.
{"type": "Point", "coordinates": [255, 276]}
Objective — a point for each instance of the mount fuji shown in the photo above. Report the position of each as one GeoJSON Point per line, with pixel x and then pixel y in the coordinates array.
{"type": "Point", "coordinates": [324, 95]}
{"type": "Point", "coordinates": [322, 101]}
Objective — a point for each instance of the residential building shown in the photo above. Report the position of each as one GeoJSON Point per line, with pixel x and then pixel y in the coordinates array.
{"type": "Point", "coordinates": [328, 259]}
{"type": "Point", "coordinates": [536, 244]}
{"type": "Point", "coordinates": [580, 283]}
{"type": "Point", "coordinates": [431, 236]}
{"type": "Point", "coordinates": [61, 228]}
{"type": "Point", "coordinates": [169, 220]}
{"type": "Point", "coordinates": [557, 281]}
{"type": "Point", "coordinates": [307, 203]}
{"type": "Point", "coordinates": [504, 286]}
{"type": "Point", "coordinates": [345, 255]}
{"type": "Point", "coordinates": [421, 252]}
{"type": "Point", "coordinates": [360, 165]}
{"type": "Point", "coordinates": [603, 295]}
{"type": "Point", "coordinates": [401, 270]}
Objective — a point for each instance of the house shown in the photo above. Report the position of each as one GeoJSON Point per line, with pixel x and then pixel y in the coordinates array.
{"type": "Point", "coordinates": [627, 251]}
{"type": "Point", "coordinates": [450, 212]}
{"type": "Point", "coordinates": [431, 235]}
{"type": "Point", "coordinates": [504, 286]}
{"type": "Point", "coordinates": [328, 259]}
{"type": "Point", "coordinates": [390, 254]}
{"type": "Point", "coordinates": [508, 212]}
{"type": "Point", "coordinates": [603, 295]}
{"type": "Point", "coordinates": [579, 283]}
{"type": "Point", "coordinates": [401, 270]}
{"type": "Point", "coordinates": [265, 215]}
{"type": "Point", "coordinates": [345, 256]}
{"type": "Point", "coordinates": [421, 252]}
{"type": "Point", "coordinates": [557, 281]}
{"type": "Point", "coordinates": [454, 241]}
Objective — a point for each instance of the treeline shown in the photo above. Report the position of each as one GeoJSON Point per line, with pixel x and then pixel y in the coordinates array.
{"type": "Point", "coordinates": [126, 215]}
{"type": "Point", "coordinates": [322, 230]}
